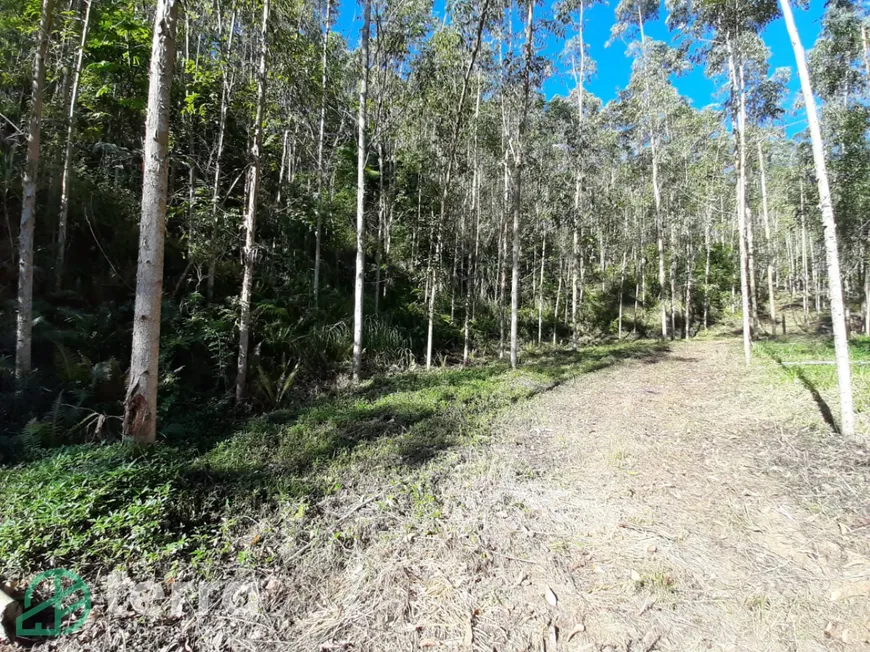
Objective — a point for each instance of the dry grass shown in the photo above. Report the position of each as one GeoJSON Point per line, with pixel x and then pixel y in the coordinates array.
{"type": "Point", "coordinates": [669, 503]}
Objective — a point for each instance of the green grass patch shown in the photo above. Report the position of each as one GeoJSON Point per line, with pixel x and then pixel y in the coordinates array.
{"type": "Point", "coordinates": [103, 506]}
{"type": "Point", "coordinates": [821, 379]}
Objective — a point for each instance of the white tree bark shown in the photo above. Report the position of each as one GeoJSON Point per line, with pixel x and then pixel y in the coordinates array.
{"type": "Point", "coordinates": [140, 404]}
{"type": "Point", "coordinates": [476, 183]}
{"type": "Point", "coordinates": [575, 263]}
{"type": "Point", "coordinates": [805, 266]}
{"type": "Point", "coordinates": [24, 337]}
{"type": "Point", "coordinates": [835, 289]}
{"type": "Point", "coordinates": [361, 153]}
{"type": "Point", "coordinates": [621, 290]}
{"type": "Point", "coordinates": [556, 307]}
{"type": "Point", "coordinates": [318, 230]}
{"type": "Point", "coordinates": [67, 156]}
{"type": "Point", "coordinates": [541, 289]}
{"type": "Point", "coordinates": [226, 90]}
{"type": "Point", "coordinates": [579, 82]}
{"type": "Point", "coordinates": [445, 189]}
{"type": "Point", "coordinates": [771, 290]}
{"type": "Point", "coordinates": [517, 201]}
{"type": "Point", "coordinates": [690, 265]}
{"type": "Point", "coordinates": [740, 161]}
{"type": "Point", "coordinates": [251, 215]}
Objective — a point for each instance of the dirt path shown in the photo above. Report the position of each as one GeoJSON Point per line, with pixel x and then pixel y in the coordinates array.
{"type": "Point", "coordinates": [677, 502]}
{"type": "Point", "coordinates": [658, 505]}
{"type": "Point", "coordinates": [656, 500]}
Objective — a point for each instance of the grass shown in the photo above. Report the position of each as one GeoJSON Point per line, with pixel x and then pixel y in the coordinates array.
{"type": "Point", "coordinates": [186, 504]}
{"type": "Point", "coordinates": [821, 380]}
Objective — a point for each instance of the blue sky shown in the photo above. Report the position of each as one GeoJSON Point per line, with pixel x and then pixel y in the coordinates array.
{"type": "Point", "coordinates": [614, 65]}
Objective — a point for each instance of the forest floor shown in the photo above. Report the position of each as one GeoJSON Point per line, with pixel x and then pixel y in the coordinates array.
{"type": "Point", "coordinates": [670, 501]}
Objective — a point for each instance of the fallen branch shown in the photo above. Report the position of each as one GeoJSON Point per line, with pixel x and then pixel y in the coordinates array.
{"type": "Point", "coordinates": [353, 511]}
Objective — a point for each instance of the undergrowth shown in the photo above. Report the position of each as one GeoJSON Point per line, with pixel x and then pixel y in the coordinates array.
{"type": "Point", "coordinates": [107, 505]}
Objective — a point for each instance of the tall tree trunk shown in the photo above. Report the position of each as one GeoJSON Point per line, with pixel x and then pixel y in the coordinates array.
{"type": "Point", "coordinates": [451, 157]}
{"type": "Point", "coordinates": [226, 87]}
{"type": "Point", "coordinates": [672, 279]}
{"type": "Point", "coordinates": [805, 269]}
{"type": "Point", "coordinates": [637, 272]}
{"type": "Point", "coordinates": [361, 154]}
{"type": "Point", "coordinates": [67, 156]}
{"type": "Point", "coordinates": [458, 236]}
{"type": "Point", "coordinates": [771, 289]}
{"type": "Point", "coordinates": [687, 309]}
{"type": "Point", "coordinates": [866, 297]}
{"type": "Point", "coordinates": [318, 231]}
{"type": "Point", "coordinates": [24, 341]}
{"type": "Point", "coordinates": [621, 291]}
{"type": "Point", "coordinates": [750, 264]}
{"type": "Point", "coordinates": [707, 272]}
{"type": "Point", "coordinates": [379, 240]}
{"type": "Point", "coordinates": [321, 132]}
{"type": "Point", "coordinates": [251, 215]}
{"type": "Point", "coordinates": [282, 166]}
{"type": "Point", "coordinates": [660, 225]}
{"type": "Point", "coordinates": [579, 82]}
{"type": "Point", "coordinates": [556, 307]}
{"type": "Point", "coordinates": [517, 200]}
{"type": "Point", "coordinates": [835, 290]}
{"type": "Point", "coordinates": [471, 281]}
{"type": "Point", "coordinates": [140, 404]}
{"type": "Point", "coordinates": [740, 134]}
{"type": "Point", "coordinates": [814, 273]}
{"type": "Point", "coordinates": [541, 289]}
{"type": "Point", "coordinates": [660, 239]}
{"type": "Point", "coordinates": [575, 263]}
{"type": "Point", "coordinates": [504, 264]}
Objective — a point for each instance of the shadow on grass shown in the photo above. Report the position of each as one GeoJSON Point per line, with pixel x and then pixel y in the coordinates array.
{"type": "Point", "coordinates": [105, 505]}
{"type": "Point", "coordinates": [824, 408]}
{"type": "Point", "coordinates": [800, 374]}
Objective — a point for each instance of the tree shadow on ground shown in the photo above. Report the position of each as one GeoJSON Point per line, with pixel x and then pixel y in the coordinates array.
{"type": "Point", "coordinates": [824, 408]}
{"type": "Point", "coordinates": [810, 386]}
{"type": "Point", "coordinates": [184, 493]}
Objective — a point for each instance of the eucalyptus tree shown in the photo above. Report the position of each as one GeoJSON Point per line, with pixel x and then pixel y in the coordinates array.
{"type": "Point", "coordinates": [835, 289]}
{"type": "Point", "coordinates": [362, 155]}
{"type": "Point", "coordinates": [224, 52]}
{"type": "Point", "coordinates": [632, 15]}
{"type": "Point", "coordinates": [24, 337]}
{"type": "Point", "coordinates": [68, 147]}
{"type": "Point", "coordinates": [518, 164]}
{"type": "Point", "coordinates": [651, 102]}
{"type": "Point", "coordinates": [140, 404]}
{"type": "Point", "coordinates": [327, 18]}
{"type": "Point", "coordinates": [250, 226]}
{"type": "Point", "coordinates": [582, 68]}
{"type": "Point", "coordinates": [453, 126]}
{"type": "Point", "coordinates": [399, 29]}
{"type": "Point", "coordinates": [729, 33]}
{"type": "Point", "coordinates": [840, 75]}
{"type": "Point", "coordinates": [764, 106]}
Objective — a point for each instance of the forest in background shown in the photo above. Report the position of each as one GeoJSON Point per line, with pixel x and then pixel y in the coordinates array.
{"type": "Point", "coordinates": [334, 213]}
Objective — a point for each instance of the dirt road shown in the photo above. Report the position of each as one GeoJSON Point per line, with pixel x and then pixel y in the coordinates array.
{"type": "Point", "coordinates": [678, 502]}
{"type": "Point", "coordinates": [674, 502]}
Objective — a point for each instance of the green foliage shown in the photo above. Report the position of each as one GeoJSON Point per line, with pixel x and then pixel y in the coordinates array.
{"type": "Point", "coordinates": [106, 503]}
{"type": "Point", "coordinates": [112, 504]}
